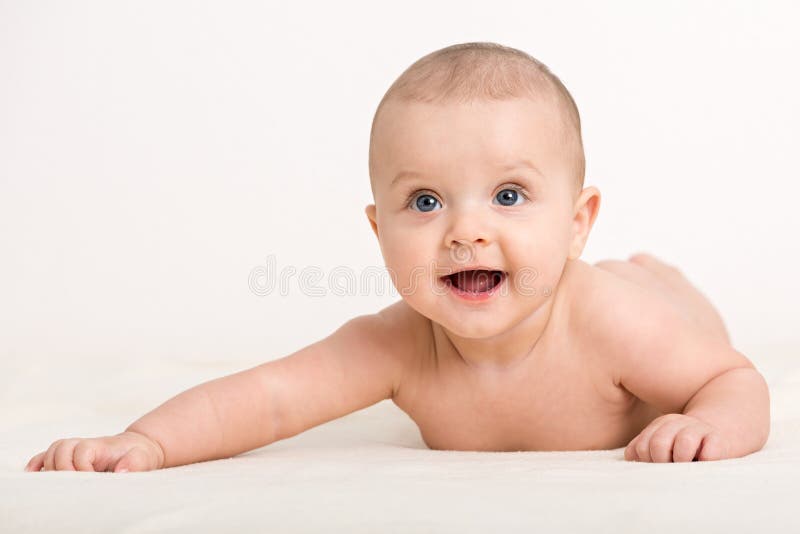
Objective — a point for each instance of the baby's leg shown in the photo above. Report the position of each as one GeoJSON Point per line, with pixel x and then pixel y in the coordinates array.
{"type": "Point", "coordinates": [650, 272]}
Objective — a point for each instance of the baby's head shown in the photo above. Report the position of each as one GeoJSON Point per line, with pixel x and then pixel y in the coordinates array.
{"type": "Point", "coordinates": [476, 161]}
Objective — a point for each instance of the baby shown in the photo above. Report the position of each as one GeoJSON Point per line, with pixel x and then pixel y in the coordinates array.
{"type": "Point", "coordinates": [503, 340]}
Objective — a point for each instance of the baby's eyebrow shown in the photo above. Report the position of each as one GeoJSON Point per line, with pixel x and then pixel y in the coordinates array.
{"type": "Point", "coordinates": [521, 164]}
{"type": "Point", "coordinates": [511, 166]}
{"type": "Point", "coordinates": [404, 175]}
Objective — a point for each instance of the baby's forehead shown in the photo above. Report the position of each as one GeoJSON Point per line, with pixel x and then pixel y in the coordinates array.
{"type": "Point", "coordinates": [404, 129]}
{"type": "Point", "coordinates": [484, 123]}
{"type": "Point", "coordinates": [494, 134]}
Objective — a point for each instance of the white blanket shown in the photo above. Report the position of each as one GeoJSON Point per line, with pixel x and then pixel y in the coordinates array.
{"type": "Point", "coordinates": [367, 472]}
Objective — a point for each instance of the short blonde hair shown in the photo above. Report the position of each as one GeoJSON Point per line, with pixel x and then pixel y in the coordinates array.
{"type": "Point", "coordinates": [484, 70]}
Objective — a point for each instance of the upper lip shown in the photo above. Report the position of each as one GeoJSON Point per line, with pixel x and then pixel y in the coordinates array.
{"type": "Point", "coordinates": [472, 268]}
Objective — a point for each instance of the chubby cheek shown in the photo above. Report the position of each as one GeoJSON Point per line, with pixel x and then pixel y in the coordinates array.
{"type": "Point", "coordinates": [535, 262]}
{"type": "Point", "coordinates": [408, 259]}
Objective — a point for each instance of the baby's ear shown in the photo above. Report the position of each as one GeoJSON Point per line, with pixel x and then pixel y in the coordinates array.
{"type": "Point", "coordinates": [587, 206]}
{"type": "Point", "coordinates": [370, 211]}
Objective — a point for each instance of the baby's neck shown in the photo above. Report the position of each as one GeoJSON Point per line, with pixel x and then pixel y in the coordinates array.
{"type": "Point", "coordinates": [501, 352]}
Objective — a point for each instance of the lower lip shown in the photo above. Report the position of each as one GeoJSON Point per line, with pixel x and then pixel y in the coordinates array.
{"type": "Point", "coordinates": [475, 297]}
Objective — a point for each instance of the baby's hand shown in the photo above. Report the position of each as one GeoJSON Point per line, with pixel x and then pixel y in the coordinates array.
{"type": "Point", "coordinates": [676, 437]}
{"type": "Point", "coordinates": [128, 451]}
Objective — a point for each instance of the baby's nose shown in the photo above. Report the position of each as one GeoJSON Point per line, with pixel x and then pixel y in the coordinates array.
{"type": "Point", "coordinates": [462, 251]}
{"type": "Point", "coordinates": [466, 227]}
{"type": "Point", "coordinates": [456, 243]}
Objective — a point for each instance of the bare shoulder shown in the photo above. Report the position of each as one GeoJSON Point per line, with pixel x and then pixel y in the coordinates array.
{"type": "Point", "coordinates": [383, 338]}
{"type": "Point", "coordinates": [403, 319]}
{"type": "Point", "coordinates": [611, 314]}
{"type": "Point", "coordinates": [410, 336]}
{"type": "Point", "coordinates": [611, 311]}
{"type": "Point", "coordinates": [393, 338]}
{"type": "Point", "coordinates": [652, 347]}
{"type": "Point", "coordinates": [359, 364]}
{"type": "Point", "coordinates": [589, 294]}
{"type": "Point", "coordinates": [592, 289]}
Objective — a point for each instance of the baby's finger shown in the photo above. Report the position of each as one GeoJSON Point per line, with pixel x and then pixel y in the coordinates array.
{"type": "Point", "coordinates": [662, 440]}
{"type": "Point", "coordinates": [714, 447]}
{"type": "Point", "coordinates": [687, 443]}
{"type": "Point", "coordinates": [63, 454]}
{"type": "Point", "coordinates": [135, 459]}
{"type": "Point", "coordinates": [35, 463]}
{"type": "Point", "coordinates": [83, 457]}
{"type": "Point", "coordinates": [642, 446]}
{"type": "Point", "coordinates": [49, 456]}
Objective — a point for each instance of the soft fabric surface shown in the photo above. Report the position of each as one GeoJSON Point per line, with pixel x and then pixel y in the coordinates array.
{"type": "Point", "coordinates": [367, 472]}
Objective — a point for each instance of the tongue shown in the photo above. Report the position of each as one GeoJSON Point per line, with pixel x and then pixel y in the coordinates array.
{"type": "Point", "coordinates": [474, 281]}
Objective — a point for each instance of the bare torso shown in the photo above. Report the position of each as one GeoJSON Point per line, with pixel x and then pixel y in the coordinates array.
{"type": "Point", "coordinates": [562, 397]}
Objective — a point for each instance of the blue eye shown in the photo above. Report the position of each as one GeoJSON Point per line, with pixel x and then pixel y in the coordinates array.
{"type": "Point", "coordinates": [426, 203]}
{"type": "Point", "coordinates": [508, 197]}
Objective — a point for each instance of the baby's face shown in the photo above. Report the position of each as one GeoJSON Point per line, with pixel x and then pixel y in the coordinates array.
{"type": "Point", "coordinates": [468, 185]}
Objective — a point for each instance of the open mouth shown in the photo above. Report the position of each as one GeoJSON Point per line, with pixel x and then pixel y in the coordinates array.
{"type": "Point", "coordinates": [475, 281]}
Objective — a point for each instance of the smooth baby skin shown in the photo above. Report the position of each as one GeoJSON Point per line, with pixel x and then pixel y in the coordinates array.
{"type": "Point", "coordinates": [575, 357]}
{"type": "Point", "coordinates": [564, 395]}
{"type": "Point", "coordinates": [563, 356]}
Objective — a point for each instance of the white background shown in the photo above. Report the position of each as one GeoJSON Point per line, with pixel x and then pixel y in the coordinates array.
{"type": "Point", "coordinates": [153, 153]}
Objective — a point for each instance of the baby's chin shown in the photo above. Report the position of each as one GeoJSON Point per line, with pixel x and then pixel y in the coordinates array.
{"type": "Point", "coordinates": [473, 331]}
{"type": "Point", "coordinates": [471, 324]}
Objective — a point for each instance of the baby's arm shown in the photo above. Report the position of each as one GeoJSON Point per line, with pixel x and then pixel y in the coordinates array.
{"type": "Point", "coordinates": [352, 368]}
{"type": "Point", "coordinates": [716, 404]}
